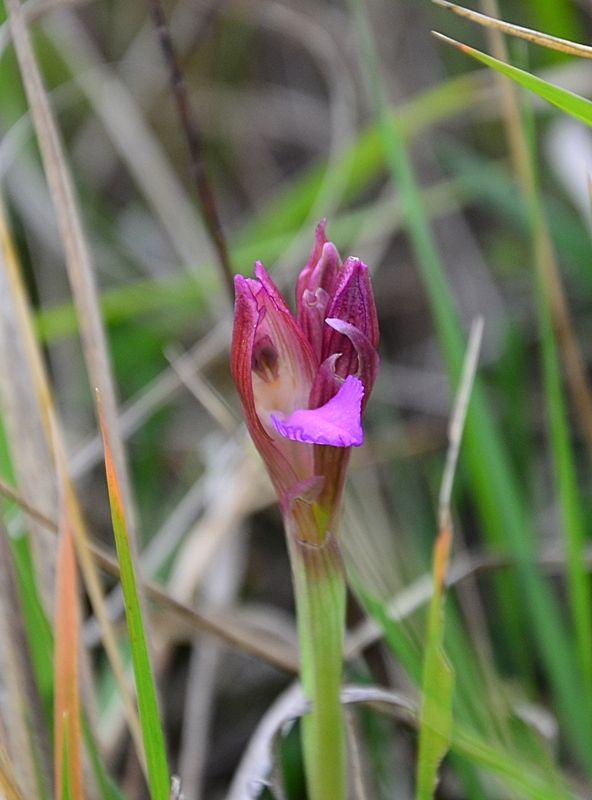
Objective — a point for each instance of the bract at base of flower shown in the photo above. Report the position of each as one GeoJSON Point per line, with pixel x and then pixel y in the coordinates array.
{"type": "Point", "coordinates": [338, 423]}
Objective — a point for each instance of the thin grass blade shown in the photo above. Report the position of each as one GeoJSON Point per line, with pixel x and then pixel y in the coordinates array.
{"type": "Point", "coordinates": [546, 287]}
{"type": "Point", "coordinates": [26, 735]}
{"type": "Point", "coordinates": [108, 790]}
{"type": "Point", "coordinates": [40, 389]}
{"type": "Point", "coordinates": [579, 587]}
{"type": "Point", "coordinates": [156, 760]}
{"type": "Point", "coordinates": [436, 718]}
{"type": "Point", "coordinates": [519, 774]}
{"type": "Point", "coordinates": [435, 732]}
{"type": "Point", "coordinates": [567, 101]}
{"type": "Point", "coordinates": [495, 486]}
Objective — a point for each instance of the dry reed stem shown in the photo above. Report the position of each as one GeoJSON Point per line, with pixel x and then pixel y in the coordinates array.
{"type": "Point", "coordinates": [78, 260]}
{"type": "Point", "coordinates": [45, 409]}
{"type": "Point", "coordinates": [491, 21]}
{"type": "Point", "coordinates": [8, 783]}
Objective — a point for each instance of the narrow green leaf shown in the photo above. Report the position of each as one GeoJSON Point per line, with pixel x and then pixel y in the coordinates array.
{"type": "Point", "coordinates": [152, 733]}
{"type": "Point", "coordinates": [108, 790]}
{"type": "Point", "coordinates": [516, 771]}
{"type": "Point", "coordinates": [567, 101]}
{"type": "Point", "coordinates": [64, 774]}
{"type": "Point", "coordinates": [572, 511]}
{"type": "Point", "coordinates": [37, 627]}
{"type": "Point", "coordinates": [435, 731]}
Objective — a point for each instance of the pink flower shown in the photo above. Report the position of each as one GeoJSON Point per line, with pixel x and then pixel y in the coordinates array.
{"type": "Point", "coordinates": [304, 382]}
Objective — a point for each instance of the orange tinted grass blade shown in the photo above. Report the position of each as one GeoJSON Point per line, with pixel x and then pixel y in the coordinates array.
{"type": "Point", "coordinates": [88, 568]}
{"type": "Point", "coordinates": [441, 558]}
{"type": "Point", "coordinates": [150, 722]}
{"type": "Point", "coordinates": [67, 700]}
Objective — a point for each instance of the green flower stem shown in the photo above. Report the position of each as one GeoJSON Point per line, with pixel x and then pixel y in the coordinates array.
{"type": "Point", "coordinates": [319, 587]}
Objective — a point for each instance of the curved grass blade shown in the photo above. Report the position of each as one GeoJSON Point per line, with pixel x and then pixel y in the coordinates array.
{"type": "Point", "coordinates": [158, 771]}
{"type": "Point", "coordinates": [567, 101]}
{"type": "Point", "coordinates": [519, 774]}
{"type": "Point", "coordinates": [436, 717]}
{"type": "Point", "coordinates": [47, 413]}
{"type": "Point", "coordinates": [572, 512]}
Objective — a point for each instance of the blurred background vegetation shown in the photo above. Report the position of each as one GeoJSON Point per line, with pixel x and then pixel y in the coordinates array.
{"type": "Point", "coordinates": [466, 200]}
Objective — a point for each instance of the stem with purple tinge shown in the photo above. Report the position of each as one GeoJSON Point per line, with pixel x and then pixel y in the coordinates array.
{"type": "Point", "coordinates": [319, 587]}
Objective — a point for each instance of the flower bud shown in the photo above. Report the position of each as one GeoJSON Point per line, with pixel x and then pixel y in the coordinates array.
{"type": "Point", "coordinates": [314, 288]}
{"type": "Point", "coordinates": [352, 302]}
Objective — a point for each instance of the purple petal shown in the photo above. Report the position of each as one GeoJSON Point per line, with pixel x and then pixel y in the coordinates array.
{"type": "Point", "coordinates": [337, 423]}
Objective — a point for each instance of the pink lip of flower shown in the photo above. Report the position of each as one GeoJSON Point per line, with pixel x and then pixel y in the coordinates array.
{"type": "Point", "coordinates": [304, 382]}
{"type": "Point", "coordinates": [337, 423]}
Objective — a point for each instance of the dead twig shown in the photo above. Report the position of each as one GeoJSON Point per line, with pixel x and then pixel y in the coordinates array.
{"type": "Point", "coordinates": [195, 146]}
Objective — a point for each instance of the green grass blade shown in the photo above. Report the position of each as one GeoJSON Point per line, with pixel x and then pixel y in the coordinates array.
{"type": "Point", "coordinates": [518, 773]}
{"type": "Point", "coordinates": [107, 789]}
{"type": "Point", "coordinates": [579, 588]}
{"type": "Point", "coordinates": [578, 581]}
{"type": "Point", "coordinates": [572, 512]}
{"type": "Point", "coordinates": [493, 480]}
{"type": "Point", "coordinates": [37, 627]}
{"type": "Point", "coordinates": [64, 791]}
{"type": "Point", "coordinates": [527, 781]}
{"type": "Point", "coordinates": [567, 101]}
{"type": "Point", "coordinates": [492, 185]}
{"type": "Point", "coordinates": [153, 737]}
{"type": "Point", "coordinates": [435, 731]}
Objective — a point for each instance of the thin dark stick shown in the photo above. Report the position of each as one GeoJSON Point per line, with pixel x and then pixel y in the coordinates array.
{"type": "Point", "coordinates": [195, 145]}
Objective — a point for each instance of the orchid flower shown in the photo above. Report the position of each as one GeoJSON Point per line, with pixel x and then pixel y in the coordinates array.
{"type": "Point", "coordinates": [304, 382]}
